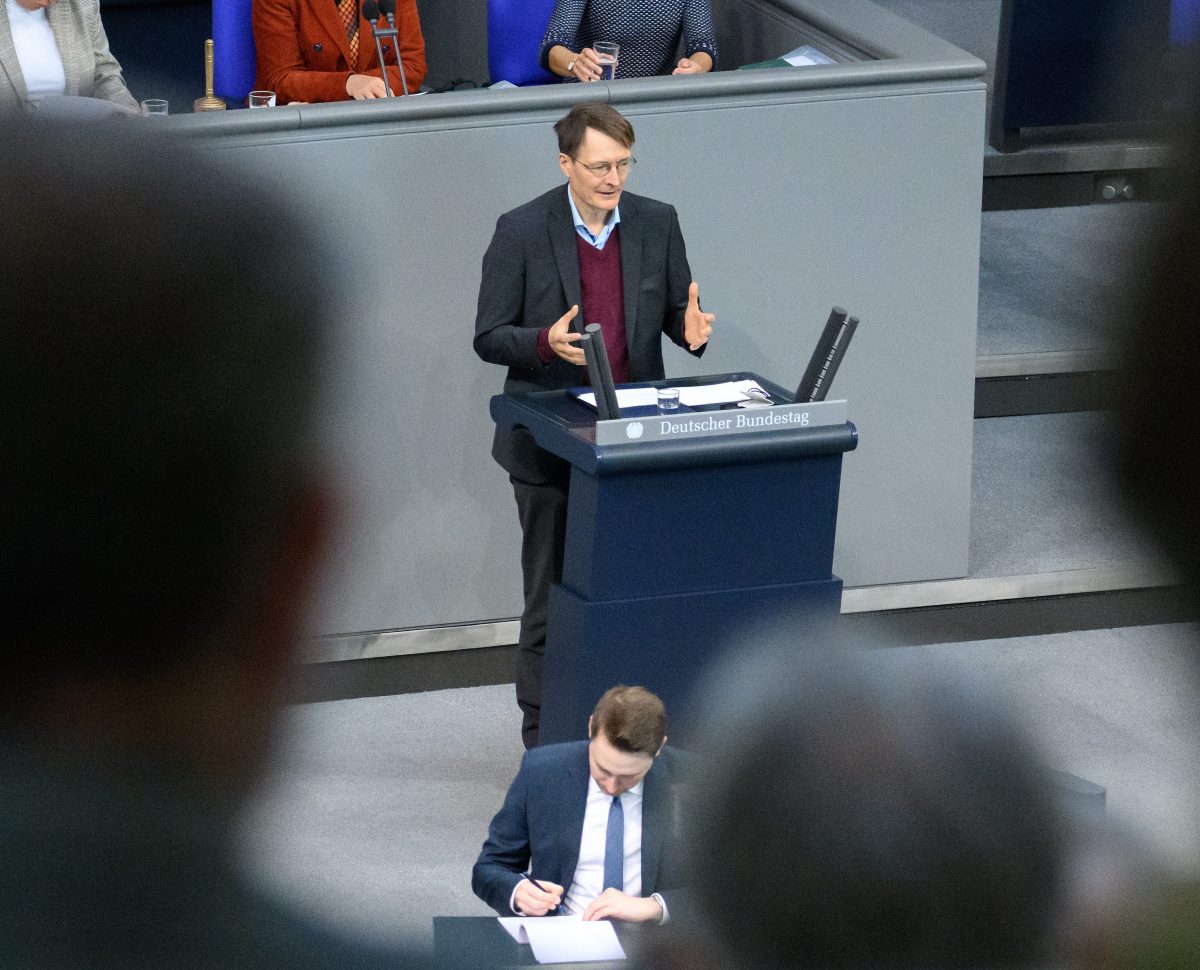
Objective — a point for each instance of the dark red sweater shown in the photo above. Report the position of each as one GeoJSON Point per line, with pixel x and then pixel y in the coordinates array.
{"type": "Point", "coordinates": [603, 302]}
{"type": "Point", "coordinates": [604, 298]}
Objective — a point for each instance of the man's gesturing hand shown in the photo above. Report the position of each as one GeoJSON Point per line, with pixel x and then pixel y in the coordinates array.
{"type": "Point", "coordinates": [697, 326]}
{"type": "Point", "coordinates": [532, 901]}
{"type": "Point", "coordinates": [614, 904]}
{"type": "Point", "coordinates": [565, 343]}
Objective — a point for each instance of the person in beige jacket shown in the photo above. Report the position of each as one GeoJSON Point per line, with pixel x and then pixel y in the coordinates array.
{"type": "Point", "coordinates": [57, 47]}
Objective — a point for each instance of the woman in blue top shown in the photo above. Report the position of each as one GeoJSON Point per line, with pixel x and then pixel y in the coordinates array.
{"type": "Point", "coordinates": [649, 32]}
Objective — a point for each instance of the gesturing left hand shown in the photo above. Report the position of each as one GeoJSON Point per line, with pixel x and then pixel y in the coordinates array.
{"type": "Point", "coordinates": [614, 904]}
{"type": "Point", "coordinates": [697, 325]}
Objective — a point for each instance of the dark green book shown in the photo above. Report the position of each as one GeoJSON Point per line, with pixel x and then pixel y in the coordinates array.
{"type": "Point", "coordinates": [774, 62]}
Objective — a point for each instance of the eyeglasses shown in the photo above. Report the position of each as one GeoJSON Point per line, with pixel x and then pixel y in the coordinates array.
{"type": "Point", "coordinates": [601, 169]}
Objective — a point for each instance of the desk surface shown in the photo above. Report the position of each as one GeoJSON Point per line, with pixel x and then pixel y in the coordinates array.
{"type": "Point", "coordinates": [480, 942]}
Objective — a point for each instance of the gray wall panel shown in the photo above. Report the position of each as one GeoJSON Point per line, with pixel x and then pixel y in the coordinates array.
{"type": "Point", "coordinates": [791, 208]}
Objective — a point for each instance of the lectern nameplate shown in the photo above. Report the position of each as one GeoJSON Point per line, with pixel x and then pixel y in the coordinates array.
{"type": "Point", "coordinates": [695, 424]}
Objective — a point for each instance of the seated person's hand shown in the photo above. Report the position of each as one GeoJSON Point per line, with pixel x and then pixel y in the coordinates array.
{"type": "Point", "coordinates": [362, 87]}
{"type": "Point", "coordinates": [531, 901]}
{"type": "Point", "coordinates": [587, 65]}
{"type": "Point", "coordinates": [614, 904]}
{"type": "Point", "coordinates": [688, 66]}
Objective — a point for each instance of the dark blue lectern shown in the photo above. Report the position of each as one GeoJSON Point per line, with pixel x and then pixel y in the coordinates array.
{"type": "Point", "coordinates": [685, 532]}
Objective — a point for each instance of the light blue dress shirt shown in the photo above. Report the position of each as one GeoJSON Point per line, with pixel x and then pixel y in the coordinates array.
{"type": "Point", "coordinates": [585, 233]}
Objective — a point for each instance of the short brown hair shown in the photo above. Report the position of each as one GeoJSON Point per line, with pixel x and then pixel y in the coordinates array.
{"type": "Point", "coordinates": [632, 719]}
{"type": "Point", "coordinates": [606, 119]}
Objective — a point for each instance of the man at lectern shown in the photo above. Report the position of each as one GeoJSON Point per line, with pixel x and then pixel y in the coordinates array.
{"type": "Point", "coordinates": [621, 258]}
{"type": "Point", "coordinates": [588, 827]}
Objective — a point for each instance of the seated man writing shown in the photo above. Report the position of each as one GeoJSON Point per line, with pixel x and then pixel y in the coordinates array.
{"type": "Point", "coordinates": [587, 826]}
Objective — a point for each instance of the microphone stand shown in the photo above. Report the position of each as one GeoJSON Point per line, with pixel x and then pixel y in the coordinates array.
{"type": "Point", "coordinates": [388, 8]}
{"type": "Point", "coordinates": [370, 11]}
{"type": "Point", "coordinates": [599, 372]}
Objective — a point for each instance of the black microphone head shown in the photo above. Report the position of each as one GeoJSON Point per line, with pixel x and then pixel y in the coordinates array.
{"type": "Point", "coordinates": [387, 7]}
{"type": "Point", "coordinates": [370, 9]}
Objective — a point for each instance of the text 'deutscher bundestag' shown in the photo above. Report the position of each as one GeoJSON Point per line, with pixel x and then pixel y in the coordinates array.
{"type": "Point", "coordinates": [692, 424]}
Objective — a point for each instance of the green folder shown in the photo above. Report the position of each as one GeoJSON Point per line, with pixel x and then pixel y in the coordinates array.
{"type": "Point", "coordinates": [774, 62]}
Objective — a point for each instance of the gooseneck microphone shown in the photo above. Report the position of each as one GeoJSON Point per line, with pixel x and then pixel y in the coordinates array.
{"type": "Point", "coordinates": [388, 9]}
{"type": "Point", "coordinates": [600, 372]}
{"type": "Point", "coordinates": [370, 12]}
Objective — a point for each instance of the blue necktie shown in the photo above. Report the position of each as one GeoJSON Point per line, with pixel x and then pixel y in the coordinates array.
{"type": "Point", "coordinates": [614, 847]}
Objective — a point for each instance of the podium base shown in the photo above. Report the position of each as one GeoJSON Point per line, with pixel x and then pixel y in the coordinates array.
{"type": "Point", "coordinates": [663, 643]}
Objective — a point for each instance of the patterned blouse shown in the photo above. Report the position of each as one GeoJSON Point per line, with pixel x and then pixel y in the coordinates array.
{"type": "Point", "coordinates": [649, 31]}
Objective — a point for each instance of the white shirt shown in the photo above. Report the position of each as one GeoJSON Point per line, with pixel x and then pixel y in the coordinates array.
{"type": "Point", "coordinates": [37, 51]}
{"type": "Point", "coordinates": [588, 881]}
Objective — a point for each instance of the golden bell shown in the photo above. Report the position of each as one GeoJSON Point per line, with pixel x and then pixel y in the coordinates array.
{"type": "Point", "coordinates": [209, 102]}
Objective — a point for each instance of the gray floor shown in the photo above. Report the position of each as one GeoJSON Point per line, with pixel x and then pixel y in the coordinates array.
{"type": "Point", "coordinates": [1055, 279]}
{"type": "Point", "coordinates": [378, 806]}
{"type": "Point", "coordinates": [1118, 707]}
{"type": "Point", "coordinates": [1041, 499]}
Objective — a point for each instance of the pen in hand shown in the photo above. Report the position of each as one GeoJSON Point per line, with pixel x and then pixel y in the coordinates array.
{"type": "Point", "coordinates": [539, 886]}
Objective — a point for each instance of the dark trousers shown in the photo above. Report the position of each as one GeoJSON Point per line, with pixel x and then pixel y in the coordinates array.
{"type": "Point", "coordinates": [542, 510]}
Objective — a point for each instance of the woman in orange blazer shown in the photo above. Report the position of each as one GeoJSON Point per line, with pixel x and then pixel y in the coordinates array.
{"type": "Point", "coordinates": [304, 51]}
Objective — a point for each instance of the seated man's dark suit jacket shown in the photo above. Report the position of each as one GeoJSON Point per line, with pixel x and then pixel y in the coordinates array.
{"type": "Point", "coordinates": [531, 278]}
{"type": "Point", "coordinates": [542, 821]}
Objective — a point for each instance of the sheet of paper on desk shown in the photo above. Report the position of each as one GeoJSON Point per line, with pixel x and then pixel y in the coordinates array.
{"type": "Point", "coordinates": [627, 397]}
{"type": "Point", "coordinates": [727, 392]}
{"type": "Point", "coordinates": [565, 939]}
{"type": "Point", "coordinates": [806, 56]}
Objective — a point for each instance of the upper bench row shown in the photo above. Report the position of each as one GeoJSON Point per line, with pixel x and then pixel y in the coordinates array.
{"type": "Point", "coordinates": [309, 51]}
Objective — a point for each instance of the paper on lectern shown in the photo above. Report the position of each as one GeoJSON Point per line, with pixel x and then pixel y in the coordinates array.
{"type": "Point", "coordinates": [726, 392]}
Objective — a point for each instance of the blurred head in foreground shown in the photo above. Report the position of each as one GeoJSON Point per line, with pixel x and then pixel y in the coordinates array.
{"type": "Point", "coordinates": [160, 344]}
{"type": "Point", "coordinates": [159, 351]}
{"type": "Point", "coordinates": [862, 812]}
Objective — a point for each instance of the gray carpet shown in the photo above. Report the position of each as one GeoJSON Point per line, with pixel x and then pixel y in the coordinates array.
{"type": "Point", "coordinates": [1056, 279]}
{"type": "Point", "coordinates": [1118, 707]}
{"type": "Point", "coordinates": [378, 806]}
{"type": "Point", "coordinates": [1041, 500]}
